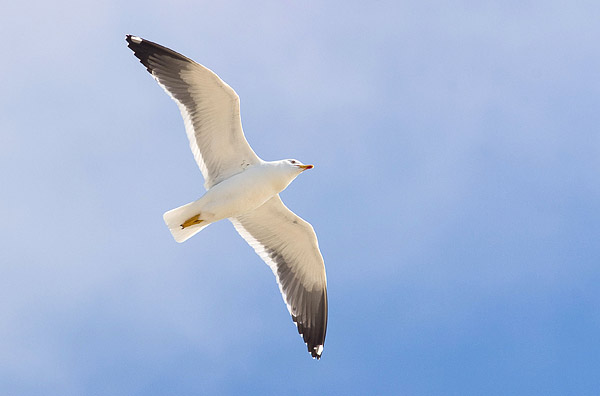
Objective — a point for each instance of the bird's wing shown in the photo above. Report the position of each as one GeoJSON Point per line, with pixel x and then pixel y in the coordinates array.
{"type": "Point", "coordinates": [288, 244]}
{"type": "Point", "coordinates": [210, 109]}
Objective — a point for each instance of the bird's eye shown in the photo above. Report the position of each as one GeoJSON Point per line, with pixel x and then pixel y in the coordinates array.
{"type": "Point", "coordinates": [293, 162]}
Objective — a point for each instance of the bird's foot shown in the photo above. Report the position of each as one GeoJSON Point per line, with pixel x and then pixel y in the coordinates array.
{"type": "Point", "coordinates": [191, 221]}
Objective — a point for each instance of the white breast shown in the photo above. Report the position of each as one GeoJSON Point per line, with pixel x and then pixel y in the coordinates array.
{"type": "Point", "coordinates": [240, 193]}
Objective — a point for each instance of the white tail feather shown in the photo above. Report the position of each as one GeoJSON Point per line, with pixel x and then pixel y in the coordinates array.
{"type": "Point", "coordinates": [174, 219]}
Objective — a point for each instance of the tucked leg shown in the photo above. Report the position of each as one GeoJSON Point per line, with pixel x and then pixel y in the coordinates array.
{"type": "Point", "coordinates": [191, 221]}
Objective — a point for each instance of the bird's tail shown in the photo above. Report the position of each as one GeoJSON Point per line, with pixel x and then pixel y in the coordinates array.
{"type": "Point", "coordinates": [185, 221]}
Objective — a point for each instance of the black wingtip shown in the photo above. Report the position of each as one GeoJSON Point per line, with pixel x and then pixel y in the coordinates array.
{"type": "Point", "coordinates": [135, 44]}
{"type": "Point", "coordinates": [133, 40]}
{"type": "Point", "coordinates": [314, 335]}
{"type": "Point", "coordinates": [143, 49]}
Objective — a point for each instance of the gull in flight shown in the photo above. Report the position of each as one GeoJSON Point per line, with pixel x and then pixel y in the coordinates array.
{"type": "Point", "coordinates": [241, 187]}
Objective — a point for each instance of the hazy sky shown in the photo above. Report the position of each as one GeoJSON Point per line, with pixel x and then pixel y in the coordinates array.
{"type": "Point", "coordinates": [455, 195]}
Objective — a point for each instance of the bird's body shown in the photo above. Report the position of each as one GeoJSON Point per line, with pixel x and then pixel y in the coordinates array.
{"type": "Point", "coordinates": [244, 192]}
{"type": "Point", "coordinates": [241, 187]}
{"type": "Point", "coordinates": [232, 197]}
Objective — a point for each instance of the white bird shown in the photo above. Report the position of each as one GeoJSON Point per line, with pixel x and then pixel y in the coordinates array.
{"type": "Point", "coordinates": [241, 187]}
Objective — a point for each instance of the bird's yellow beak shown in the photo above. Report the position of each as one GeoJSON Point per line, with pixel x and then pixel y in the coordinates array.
{"type": "Point", "coordinates": [305, 167]}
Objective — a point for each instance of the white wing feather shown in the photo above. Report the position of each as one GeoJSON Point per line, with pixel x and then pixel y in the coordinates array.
{"type": "Point", "coordinates": [288, 244]}
{"type": "Point", "coordinates": [209, 107]}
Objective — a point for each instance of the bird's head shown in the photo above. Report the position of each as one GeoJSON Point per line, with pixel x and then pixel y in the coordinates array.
{"type": "Point", "coordinates": [297, 165]}
{"type": "Point", "coordinates": [284, 171]}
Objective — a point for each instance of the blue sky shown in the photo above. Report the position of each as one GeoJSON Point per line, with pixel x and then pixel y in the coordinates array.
{"type": "Point", "coordinates": [455, 195]}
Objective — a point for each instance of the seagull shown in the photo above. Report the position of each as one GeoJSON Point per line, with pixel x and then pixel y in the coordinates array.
{"type": "Point", "coordinates": [241, 187]}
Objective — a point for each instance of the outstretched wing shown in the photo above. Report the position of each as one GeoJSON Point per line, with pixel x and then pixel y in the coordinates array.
{"type": "Point", "coordinates": [210, 109]}
{"type": "Point", "coordinates": [289, 246]}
